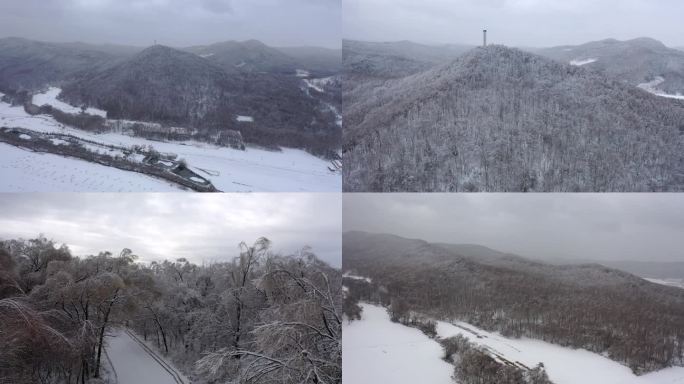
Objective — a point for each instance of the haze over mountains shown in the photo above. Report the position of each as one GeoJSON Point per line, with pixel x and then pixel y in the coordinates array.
{"type": "Point", "coordinates": [583, 306]}
{"type": "Point", "coordinates": [205, 87]}
{"type": "Point", "coordinates": [500, 119]}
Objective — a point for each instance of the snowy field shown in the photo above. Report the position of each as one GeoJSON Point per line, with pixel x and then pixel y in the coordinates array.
{"type": "Point", "coordinates": [134, 365]}
{"type": "Point", "coordinates": [651, 87]}
{"type": "Point", "coordinates": [26, 171]}
{"type": "Point", "coordinates": [376, 350]}
{"type": "Point", "coordinates": [563, 365]}
{"type": "Point", "coordinates": [49, 97]}
{"type": "Point", "coordinates": [230, 170]}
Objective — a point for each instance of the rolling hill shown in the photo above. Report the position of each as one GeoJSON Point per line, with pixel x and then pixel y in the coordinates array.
{"type": "Point", "coordinates": [500, 119]}
{"type": "Point", "coordinates": [635, 61]}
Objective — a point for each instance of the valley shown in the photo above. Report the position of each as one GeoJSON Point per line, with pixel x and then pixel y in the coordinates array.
{"type": "Point", "coordinates": [510, 314]}
{"type": "Point", "coordinates": [228, 169]}
{"type": "Point", "coordinates": [241, 117]}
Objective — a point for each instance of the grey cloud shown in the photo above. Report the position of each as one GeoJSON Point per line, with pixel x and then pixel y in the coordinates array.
{"type": "Point", "coordinates": [547, 226]}
{"type": "Point", "coordinates": [513, 22]}
{"type": "Point", "coordinates": [202, 228]}
{"type": "Point", "coordinates": [174, 22]}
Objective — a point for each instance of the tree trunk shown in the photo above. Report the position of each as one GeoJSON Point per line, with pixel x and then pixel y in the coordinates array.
{"type": "Point", "coordinates": [101, 336]}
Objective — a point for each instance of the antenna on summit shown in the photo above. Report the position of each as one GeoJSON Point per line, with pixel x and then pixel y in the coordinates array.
{"type": "Point", "coordinates": [484, 36]}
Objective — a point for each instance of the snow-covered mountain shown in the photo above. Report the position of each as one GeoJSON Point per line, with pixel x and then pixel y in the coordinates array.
{"type": "Point", "coordinates": [500, 119]}
{"type": "Point", "coordinates": [636, 61]}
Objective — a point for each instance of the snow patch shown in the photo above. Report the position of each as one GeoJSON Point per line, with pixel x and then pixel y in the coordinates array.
{"type": "Point", "coordinates": [24, 136]}
{"type": "Point", "coordinates": [579, 63]}
{"type": "Point", "coordinates": [245, 119]}
{"type": "Point", "coordinates": [59, 142]}
{"type": "Point", "coordinates": [205, 55]}
{"type": "Point", "coordinates": [679, 283]}
{"type": "Point", "coordinates": [49, 97]}
{"type": "Point", "coordinates": [302, 73]}
{"type": "Point", "coordinates": [349, 275]}
{"type": "Point", "coordinates": [318, 84]}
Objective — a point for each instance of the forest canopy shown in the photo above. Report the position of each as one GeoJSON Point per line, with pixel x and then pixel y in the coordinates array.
{"type": "Point", "coordinates": [261, 317]}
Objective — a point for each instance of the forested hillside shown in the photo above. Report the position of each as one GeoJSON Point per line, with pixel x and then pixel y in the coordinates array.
{"type": "Point", "coordinates": [261, 318]}
{"type": "Point", "coordinates": [231, 86]}
{"type": "Point", "coordinates": [634, 61]}
{"type": "Point", "coordinates": [499, 119]}
{"type": "Point", "coordinates": [630, 320]}
{"type": "Point", "coordinates": [26, 64]}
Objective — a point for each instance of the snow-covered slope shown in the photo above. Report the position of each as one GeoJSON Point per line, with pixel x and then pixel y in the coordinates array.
{"type": "Point", "coordinates": [563, 365]}
{"type": "Point", "coordinates": [652, 87]}
{"type": "Point", "coordinates": [49, 97]}
{"type": "Point", "coordinates": [679, 283]}
{"type": "Point", "coordinates": [376, 350]}
{"type": "Point", "coordinates": [582, 62]}
{"type": "Point", "coordinates": [290, 170]}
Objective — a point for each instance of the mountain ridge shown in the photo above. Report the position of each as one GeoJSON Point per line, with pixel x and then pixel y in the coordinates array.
{"type": "Point", "coordinates": [445, 113]}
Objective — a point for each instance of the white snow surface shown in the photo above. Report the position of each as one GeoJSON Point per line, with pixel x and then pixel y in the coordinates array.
{"type": "Point", "coordinates": [245, 119]}
{"type": "Point", "coordinates": [563, 365]}
{"type": "Point", "coordinates": [318, 84]}
{"type": "Point", "coordinates": [679, 283]}
{"type": "Point", "coordinates": [230, 170]}
{"type": "Point", "coordinates": [581, 62]}
{"type": "Point", "coordinates": [356, 277]}
{"type": "Point", "coordinates": [302, 73]}
{"type": "Point", "coordinates": [652, 87]}
{"type": "Point", "coordinates": [26, 171]}
{"type": "Point", "coordinates": [376, 350]}
{"type": "Point", "coordinates": [49, 97]}
{"type": "Point", "coordinates": [133, 364]}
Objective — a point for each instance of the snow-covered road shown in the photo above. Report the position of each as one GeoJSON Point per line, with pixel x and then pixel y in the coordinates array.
{"type": "Point", "coordinates": [134, 364]}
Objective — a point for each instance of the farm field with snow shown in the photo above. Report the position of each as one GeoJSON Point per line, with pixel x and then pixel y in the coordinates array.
{"type": "Point", "coordinates": [230, 170]}
{"type": "Point", "coordinates": [376, 350]}
{"type": "Point", "coordinates": [26, 171]}
{"type": "Point", "coordinates": [395, 352]}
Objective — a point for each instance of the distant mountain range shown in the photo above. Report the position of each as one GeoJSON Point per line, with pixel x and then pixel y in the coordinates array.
{"type": "Point", "coordinates": [500, 119]}
{"type": "Point", "coordinates": [634, 61]}
{"type": "Point", "coordinates": [205, 87]}
{"type": "Point", "coordinates": [588, 306]}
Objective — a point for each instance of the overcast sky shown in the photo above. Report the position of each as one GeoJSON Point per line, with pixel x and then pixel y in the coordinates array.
{"type": "Point", "coordinates": [199, 227]}
{"type": "Point", "coordinates": [174, 22]}
{"type": "Point", "coordinates": [643, 227]}
{"type": "Point", "coordinates": [531, 23]}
